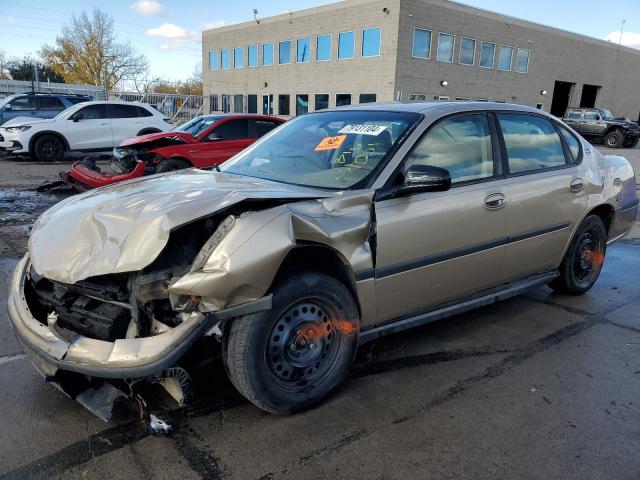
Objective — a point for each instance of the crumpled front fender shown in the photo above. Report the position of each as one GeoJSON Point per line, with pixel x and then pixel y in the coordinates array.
{"type": "Point", "coordinates": [245, 262]}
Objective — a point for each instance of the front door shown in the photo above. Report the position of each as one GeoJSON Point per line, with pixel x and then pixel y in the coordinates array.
{"type": "Point", "coordinates": [221, 143]}
{"type": "Point", "coordinates": [89, 128]}
{"type": "Point", "coordinates": [435, 247]}
{"type": "Point", "coordinates": [547, 192]}
{"type": "Point", "coordinates": [267, 104]}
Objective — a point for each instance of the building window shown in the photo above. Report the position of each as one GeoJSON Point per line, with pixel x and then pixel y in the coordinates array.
{"type": "Point", "coordinates": [303, 50]}
{"type": "Point", "coordinates": [522, 60]}
{"type": "Point", "coordinates": [225, 60]}
{"type": "Point", "coordinates": [238, 104]}
{"type": "Point", "coordinates": [346, 45]}
{"type": "Point", "coordinates": [487, 54]}
{"type": "Point", "coordinates": [267, 54]}
{"type": "Point", "coordinates": [323, 48]}
{"type": "Point", "coordinates": [225, 103]}
{"type": "Point", "coordinates": [284, 52]}
{"type": "Point", "coordinates": [283, 105]}
{"type": "Point", "coordinates": [238, 57]}
{"type": "Point", "coordinates": [505, 58]}
{"type": "Point", "coordinates": [421, 43]}
{"type": "Point", "coordinates": [446, 44]}
{"type": "Point", "coordinates": [213, 103]}
{"type": "Point", "coordinates": [467, 51]}
{"type": "Point", "coordinates": [302, 104]}
{"type": "Point", "coordinates": [322, 101]}
{"type": "Point", "coordinates": [368, 98]}
{"type": "Point", "coordinates": [482, 99]}
{"type": "Point", "coordinates": [252, 56]}
{"type": "Point", "coordinates": [252, 102]}
{"type": "Point", "coordinates": [417, 97]}
{"type": "Point", "coordinates": [462, 99]}
{"type": "Point", "coordinates": [371, 42]}
{"type": "Point", "coordinates": [343, 99]}
{"type": "Point", "coordinates": [213, 60]}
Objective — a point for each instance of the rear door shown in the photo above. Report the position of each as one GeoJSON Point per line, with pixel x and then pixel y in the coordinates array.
{"type": "Point", "coordinates": [48, 107]}
{"type": "Point", "coordinates": [436, 247]}
{"type": "Point", "coordinates": [259, 127]}
{"type": "Point", "coordinates": [125, 122]}
{"type": "Point", "coordinates": [221, 143]}
{"type": "Point", "coordinates": [546, 190]}
{"type": "Point", "coordinates": [89, 128]}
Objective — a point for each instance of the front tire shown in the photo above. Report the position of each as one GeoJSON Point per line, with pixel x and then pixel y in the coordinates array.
{"type": "Point", "coordinates": [583, 261]}
{"type": "Point", "coordinates": [49, 148]}
{"type": "Point", "coordinates": [172, 164]}
{"type": "Point", "coordinates": [291, 357]}
{"type": "Point", "coordinates": [613, 139]}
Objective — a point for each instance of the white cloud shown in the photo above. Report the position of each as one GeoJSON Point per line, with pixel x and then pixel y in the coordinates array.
{"type": "Point", "coordinates": [167, 48]}
{"type": "Point", "coordinates": [7, 20]}
{"type": "Point", "coordinates": [148, 8]}
{"type": "Point", "coordinates": [216, 24]}
{"type": "Point", "coordinates": [173, 32]}
{"type": "Point", "coordinates": [629, 39]}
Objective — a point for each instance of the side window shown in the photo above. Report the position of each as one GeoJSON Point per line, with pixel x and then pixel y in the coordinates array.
{"type": "Point", "coordinates": [574, 115]}
{"type": "Point", "coordinates": [462, 145]}
{"type": "Point", "coordinates": [92, 112]}
{"type": "Point", "coordinates": [143, 112]}
{"type": "Point", "coordinates": [49, 103]}
{"type": "Point", "coordinates": [122, 111]}
{"type": "Point", "coordinates": [262, 127]}
{"type": "Point", "coordinates": [572, 142]}
{"type": "Point", "coordinates": [233, 129]}
{"type": "Point", "coordinates": [532, 143]}
{"type": "Point", "coordinates": [23, 104]}
{"type": "Point", "coordinates": [591, 115]}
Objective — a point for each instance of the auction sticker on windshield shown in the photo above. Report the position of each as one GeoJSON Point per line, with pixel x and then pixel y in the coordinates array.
{"type": "Point", "coordinates": [374, 130]}
{"type": "Point", "coordinates": [331, 143]}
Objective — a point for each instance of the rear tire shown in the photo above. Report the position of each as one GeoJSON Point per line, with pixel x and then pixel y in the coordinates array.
{"type": "Point", "coordinates": [613, 139]}
{"type": "Point", "coordinates": [632, 142]}
{"type": "Point", "coordinates": [291, 357]}
{"type": "Point", "coordinates": [172, 164]}
{"type": "Point", "coordinates": [49, 148]}
{"type": "Point", "coordinates": [583, 261]}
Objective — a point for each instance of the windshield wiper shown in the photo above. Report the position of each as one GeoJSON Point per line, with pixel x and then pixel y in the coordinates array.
{"type": "Point", "coordinates": [217, 168]}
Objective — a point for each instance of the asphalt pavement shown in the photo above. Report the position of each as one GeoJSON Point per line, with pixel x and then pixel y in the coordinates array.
{"type": "Point", "coordinates": [540, 386]}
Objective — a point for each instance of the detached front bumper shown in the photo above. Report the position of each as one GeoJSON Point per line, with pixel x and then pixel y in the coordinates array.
{"type": "Point", "coordinates": [52, 348]}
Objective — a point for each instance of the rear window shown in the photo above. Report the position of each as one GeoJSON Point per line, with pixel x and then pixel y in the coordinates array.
{"type": "Point", "coordinates": [122, 111]}
{"type": "Point", "coordinates": [574, 115]}
{"type": "Point", "coordinates": [143, 112]}
{"type": "Point", "coordinates": [532, 143]}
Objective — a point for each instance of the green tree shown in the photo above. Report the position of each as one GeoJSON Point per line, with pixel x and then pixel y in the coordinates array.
{"type": "Point", "coordinates": [87, 47]}
{"type": "Point", "coordinates": [24, 70]}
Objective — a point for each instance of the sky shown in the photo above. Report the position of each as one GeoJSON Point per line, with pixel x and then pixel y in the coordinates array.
{"type": "Point", "coordinates": [168, 32]}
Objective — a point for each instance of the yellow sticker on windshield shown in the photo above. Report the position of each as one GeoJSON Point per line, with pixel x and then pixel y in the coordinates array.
{"type": "Point", "coordinates": [331, 143]}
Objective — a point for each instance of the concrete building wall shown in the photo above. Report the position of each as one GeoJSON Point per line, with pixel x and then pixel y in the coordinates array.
{"type": "Point", "coordinates": [355, 76]}
{"type": "Point", "coordinates": [555, 55]}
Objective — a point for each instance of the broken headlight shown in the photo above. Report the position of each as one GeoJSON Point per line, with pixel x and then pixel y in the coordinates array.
{"type": "Point", "coordinates": [121, 153]}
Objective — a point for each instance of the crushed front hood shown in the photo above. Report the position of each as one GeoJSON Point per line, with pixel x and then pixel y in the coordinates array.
{"type": "Point", "coordinates": [124, 227]}
{"type": "Point", "coordinates": [161, 138]}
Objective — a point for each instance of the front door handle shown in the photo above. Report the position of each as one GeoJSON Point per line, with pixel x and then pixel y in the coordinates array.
{"type": "Point", "coordinates": [495, 201]}
{"type": "Point", "coordinates": [577, 185]}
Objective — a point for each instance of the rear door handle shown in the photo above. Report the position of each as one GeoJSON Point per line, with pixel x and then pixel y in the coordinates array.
{"type": "Point", "coordinates": [495, 201]}
{"type": "Point", "coordinates": [576, 185]}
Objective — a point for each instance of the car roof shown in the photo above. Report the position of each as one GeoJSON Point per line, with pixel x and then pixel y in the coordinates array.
{"type": "Point", "coordinates": [441, 107]}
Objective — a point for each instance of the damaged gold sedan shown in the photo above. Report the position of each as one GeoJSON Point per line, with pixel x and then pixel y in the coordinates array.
{"type": "Point", "coordinates": [335, 229]}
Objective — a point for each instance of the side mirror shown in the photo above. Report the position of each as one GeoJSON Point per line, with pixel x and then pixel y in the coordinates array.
{"type": "Point", "coordinates": [77, 117]}
{"type": "Point", "coordinates": [425, 178]}
{"type": "Point", "coordinates": [213, 137]}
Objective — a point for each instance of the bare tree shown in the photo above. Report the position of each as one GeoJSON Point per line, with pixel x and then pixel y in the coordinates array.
{"type": "Point", "coordinates": [4, 66]}
{"type": "Point", "coordinates": [88, 47]}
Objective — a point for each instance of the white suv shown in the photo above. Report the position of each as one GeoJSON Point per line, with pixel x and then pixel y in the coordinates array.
{"type": "Point", "coordinates": [88, 126]}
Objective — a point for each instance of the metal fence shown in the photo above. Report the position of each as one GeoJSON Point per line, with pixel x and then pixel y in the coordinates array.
{"type": "Point", "coordinates": [11, 87]}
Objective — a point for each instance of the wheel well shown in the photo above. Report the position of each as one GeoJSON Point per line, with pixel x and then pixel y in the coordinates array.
{"type": "Point", "coordinates": [613, 129]}
{"type": "Point", "coordinates": [146, 131]}
{"type": "Point", "coordinates": [182, 159]}
{"type": "Point", "coordinates": [54, 134]}
{"type": "Point", "coordinates": [605, 212]}
{"type": "Point", "coordinates": [318, 258]}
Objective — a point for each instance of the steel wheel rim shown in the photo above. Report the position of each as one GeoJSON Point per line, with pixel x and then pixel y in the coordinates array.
{"type": "Point", "coordinates": [612, 142]}
{"type": "Point", "coordinates": [303, 344]}
{"type": "Point", "coordinates": [588, 258]}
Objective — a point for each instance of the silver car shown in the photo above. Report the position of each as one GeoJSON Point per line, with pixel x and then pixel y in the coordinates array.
{"type": "Point", "coordinates": [336, 228]}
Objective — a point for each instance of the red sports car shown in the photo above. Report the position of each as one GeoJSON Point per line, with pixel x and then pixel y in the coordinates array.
{"type": "Point", "coordinates": [203, 142]}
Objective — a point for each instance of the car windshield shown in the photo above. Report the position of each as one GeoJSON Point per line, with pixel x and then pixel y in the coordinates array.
{"type": "Point", "coordinates": [197, 125]}
{"type": "Point", "coordinates": [606, 114]}
{"type": "Point", "coordinates": [6, 100]}
{"type": "Point", "coordinates": [334, 150]}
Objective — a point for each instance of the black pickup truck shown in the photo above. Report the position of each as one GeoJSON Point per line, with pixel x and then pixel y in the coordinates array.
{"type": "Point", "coordinates": [599, 125]}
